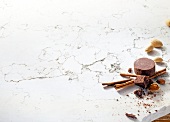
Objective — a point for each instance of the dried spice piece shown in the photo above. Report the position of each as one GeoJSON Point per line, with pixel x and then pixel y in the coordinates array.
{"type": "Point", "coordinates": [161, 81]}
{"type": "Point", "coordinates": [139, 93]}
{"type": "Point", "coordinates": [131, 116]}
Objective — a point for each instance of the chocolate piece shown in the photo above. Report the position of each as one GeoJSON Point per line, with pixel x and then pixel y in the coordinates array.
{"type": "Point", "coordinates": [144, 66]}
{"type": "Point", "coordinates": [139, 93]}
{"type": "Point", "coordinates": [130, 70]}
{"type": "Point", "coordinates": [143, 81]}
{"type": "Point", "coordinates": [131, 116]}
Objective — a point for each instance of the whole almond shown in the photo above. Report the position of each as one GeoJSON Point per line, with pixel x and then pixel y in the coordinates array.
{"type": "Point", "coordinates": [158, 59]}
{"type": "Point", "coordinates": [168, 22]}
{"type": "Point", "coordinates": [149, 49]}
{"type": "Point", "coordinates": [154, 87]}
{"type": "Point", "coordinates": [161, 81]}
{"type": "Point", "coordinates": [156, 43]}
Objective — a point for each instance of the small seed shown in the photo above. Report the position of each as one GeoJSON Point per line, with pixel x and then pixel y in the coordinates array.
{"type": "Point", "coordinates": [156, 43]}
{"type": "Point", "coordinates": [168, 22]}
{"type": "Point", "coordinates": [161, 81]}
{"type": "Point", "coordinates": [149, 49]}
{"type": "Point", "coordinates": [158, 59]}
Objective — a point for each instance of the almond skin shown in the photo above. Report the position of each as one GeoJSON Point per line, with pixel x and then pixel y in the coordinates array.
{"type": "Point", "coordinates": [149, 48]}
{"type": "Point", "coordinates": [158, 59]}
{"type": "Point", "coordinates": [156, 43]}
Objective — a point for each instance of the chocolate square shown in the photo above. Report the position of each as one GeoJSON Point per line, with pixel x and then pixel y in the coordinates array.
{"type": "Point", "coordinates": [142, 81]}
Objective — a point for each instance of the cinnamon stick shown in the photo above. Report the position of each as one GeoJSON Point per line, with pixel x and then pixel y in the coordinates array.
{"type": "Point", "coordinates": [116, 82]}
{"type": "Point", "coordinates": [157, 74]}
{"type": "Point", "coordinates": [123, 84]}
{"type": "Point", "coordinates": [128, 75]}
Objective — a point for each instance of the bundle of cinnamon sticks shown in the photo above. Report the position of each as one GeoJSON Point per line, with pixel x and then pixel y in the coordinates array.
{"type": "Point", "coordinates": [130, 82]}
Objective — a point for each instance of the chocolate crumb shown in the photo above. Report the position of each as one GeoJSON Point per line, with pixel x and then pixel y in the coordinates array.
{"type": "Point", "coordinates": [117, 100]}
{"type": "Point", "coordinates": [138, 111]}
{"type": "Point", "coordinates": [138, 114]}
{"type": "Point", "coordinates": [156, 110]}
{"type": "Point", "coordinates": [131, 116]}
{"type": "Point", "coordinates": [130, 70]}
{"type": "Point", "coordinates": [154, 95]}
{"type": "Point", "coordinates": [149, 92]}
{"type": "Point", "coordinates": [127, 95]}
{"type": "Point", "coordinates": [149, 112]}
{"type": "Point", "coordinates": [139, 93]}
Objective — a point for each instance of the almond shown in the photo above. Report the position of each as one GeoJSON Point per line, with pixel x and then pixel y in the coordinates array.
{"type": "Point", "coordinates": [161, 81]}
{"type": "Point", "coordinates": [154, 87]}
{"type": "Point", "coordinates": [149, 49]}
{"type": "Point", "coordinates": [158, 59]}
{"type": "Point", "coordinates": [168, 22]}
{"type": "Point", "coordinates": [156, 43]}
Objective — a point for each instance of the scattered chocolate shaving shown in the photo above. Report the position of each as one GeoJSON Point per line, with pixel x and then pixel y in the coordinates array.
{"type": "Point", "coordinates": [130, 70]}
{"type": "Point", "coordinates": [139, 93]}
{"type": "Point", "coordinates": [131, 116]}
{"type": "Point", "coordinates": [156, 110]}
{"type": "Point", "coordinates": [127, 95]}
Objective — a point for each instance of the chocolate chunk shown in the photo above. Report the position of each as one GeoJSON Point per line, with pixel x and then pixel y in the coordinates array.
{"type": "Point", "coordinates": [130, 70]}
{"type": "Point", "coordinates": [131, 116]}
{"type": "Point", "coordinates": [139, 93]}
{"type": "Point", "coordinates": [143, 81]}
{"type": "Point", "coordinates": [144, 66]}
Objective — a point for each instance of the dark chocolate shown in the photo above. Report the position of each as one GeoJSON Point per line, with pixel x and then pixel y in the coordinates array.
{"type": "Point", "coordinates": [143, 81]}
{"type": "Point", "coordinates": [131, 116]}
{"type": "Point", "coordinates": [144, 66]}
{"type": "Point", "coordinates": [139, 93]}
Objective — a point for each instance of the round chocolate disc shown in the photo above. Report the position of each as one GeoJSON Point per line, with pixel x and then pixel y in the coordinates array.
{"type": "Point", "coordinates": [144, 66]}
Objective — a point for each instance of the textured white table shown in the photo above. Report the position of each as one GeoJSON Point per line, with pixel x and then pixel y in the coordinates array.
{"type": "Point", "coordinates": [55, 54]}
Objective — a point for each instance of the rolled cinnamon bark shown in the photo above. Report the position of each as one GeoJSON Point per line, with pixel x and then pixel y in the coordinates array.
{"type": "Point", "coordinates": [144, 66]}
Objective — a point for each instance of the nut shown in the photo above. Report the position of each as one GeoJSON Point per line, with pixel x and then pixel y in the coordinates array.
{"type": "Point", "coordinates": [168, 22]}
{"type": "Point", "coordinates": [158, 59]}
{"type": "Point", "coordinates": [154, 87]}
{"type": "Point", "coordinates": [161, 81]}
{"type": "Point", "coordinates": [156, 43]}
{"type": "Point", "coordinates": [149, 48]}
